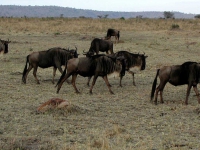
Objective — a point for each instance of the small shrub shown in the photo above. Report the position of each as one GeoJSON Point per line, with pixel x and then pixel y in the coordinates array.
{"type": "Point", "coordinates": [175, 26]}
{"type": "Point", "coordinates": [57, 33]}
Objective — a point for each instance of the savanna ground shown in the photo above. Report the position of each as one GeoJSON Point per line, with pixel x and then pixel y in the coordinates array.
{"type": "Point", "coordinates": [125, 120]}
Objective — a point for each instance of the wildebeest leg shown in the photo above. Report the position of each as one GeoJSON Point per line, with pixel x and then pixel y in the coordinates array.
{"type": "Point", "coordinates": [131, 72]}
{"type": "Point", "coordinates": [120, 82]}
{"type": "Point", "coordinates": [62, 81]}
{"type": "Point", "coordinates": [116, 39]}
{"type": "Point", "coordinates": [88, 82]}
{"type": "Point", "coordinates": [159, 89]}
{"type": "Point", "coordinates": [197, 92]}
{"type": "Point", "coordinates": [188, 93]}
{"type": "Point", "coordinates": [28, 70]}
{"type": "Point", "coordinates": [161, 96]}
{"type": "Point", "coordinates": [93, 83]}
{"type": "Point", "coordinates": [156, 95]}
{"type": "Point", "coordinates": [54, 73]}
{"type": "Point", "coordinates": [34, 74]}
{"type": "Point", "coordinates": [73, 82]}
{"type": "Point", "coordinates": [108, 84]}
{"type": "Point", "coordinates": [61, 71]}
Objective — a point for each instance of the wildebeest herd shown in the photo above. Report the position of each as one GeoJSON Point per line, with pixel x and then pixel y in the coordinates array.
{"type": "Point", "coordinates": [95, 65]}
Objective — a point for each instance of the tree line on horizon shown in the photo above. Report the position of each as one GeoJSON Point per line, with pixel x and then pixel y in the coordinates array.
{"type": "Point", "coordinates": [56, 11]}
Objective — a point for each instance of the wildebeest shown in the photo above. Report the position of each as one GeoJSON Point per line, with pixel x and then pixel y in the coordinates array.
{"type": "Point", "coordinates": [100, 45]}
{"type": "Point", "coordinates": [97, 65]}
{"type": "Point", "coordinates": [55, 57]}
{"type": "Point", "coordinates": [4, 46]}
{"type": "Point", "coordinates": [113, 32]}
{"type": "Point", "coordinates": [187, 73]}
{"type": "Point", "coordinates": [132, 61]}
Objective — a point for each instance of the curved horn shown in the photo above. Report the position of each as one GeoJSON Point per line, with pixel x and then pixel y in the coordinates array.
{"type": "Point", "coordinates": [76, 48]}
{"type": "Point", "coordinates": [84, 51]}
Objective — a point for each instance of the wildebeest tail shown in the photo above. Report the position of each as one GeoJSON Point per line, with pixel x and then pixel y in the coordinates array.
{"type": "Point", "coordinates": [118, 35]}
{"type": "Point", "coordinates": [25, 68]}
{"type": "Point", "coordinates": [154, 85]}
{"type": "Point", "coordinates": [62, 76]}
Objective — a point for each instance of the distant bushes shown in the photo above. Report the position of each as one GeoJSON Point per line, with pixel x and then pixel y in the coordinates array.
{"type": "Point", "coordinates": [197, 16]}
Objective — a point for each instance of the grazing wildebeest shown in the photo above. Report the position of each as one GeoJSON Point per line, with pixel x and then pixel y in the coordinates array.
{"type": "Point", "coordinates": [55, 57]}
{"type": "Point", "coordinates": [97, 65]}
{"type": "Point", "coordinates": [100, 45]}
{"type": "Point", "coordinates": [4, 46]}
{"type": "Point", "coordinates": [187, 73]}
{"type": "Point", "coordinates": [132, 61]}
{"type": "Point", "coordinates": [113, 32]}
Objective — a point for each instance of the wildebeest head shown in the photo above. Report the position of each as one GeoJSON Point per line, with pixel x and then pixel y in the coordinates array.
{"type": "Point", "coordinates": [89, 53]}
{"type": "Point", "coordinates": [74, 53]}
{"type": "Point", "coordinates": [5, 43]}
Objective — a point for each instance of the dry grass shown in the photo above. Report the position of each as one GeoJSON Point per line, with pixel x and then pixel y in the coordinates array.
{"type": "Point", "coordinates": [126, 120]}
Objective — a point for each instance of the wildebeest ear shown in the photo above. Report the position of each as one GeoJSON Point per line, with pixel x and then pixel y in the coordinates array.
{"type": "Point", "coordinates": [145, 56]}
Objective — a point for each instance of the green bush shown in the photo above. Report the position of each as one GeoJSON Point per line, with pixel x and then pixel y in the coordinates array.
{"type": "Point", "coordinates": [175, 26]}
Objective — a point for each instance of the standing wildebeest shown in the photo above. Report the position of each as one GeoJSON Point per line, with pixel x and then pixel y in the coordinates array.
{"type": "Point", "coordinates": [187, 73]}
{"type": "Point", "coordinates": [100, 45]}
{"type": "Point", "coordinates": [113, 32]}
{"type": "Point", "coordinates": [98, 65]}
{"type": "Point", "coordinates": [55, 57]}
{"type": "Point", "coordinates": [132, 61]}
{"type": "Point", "coordinates": [4, 46]}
